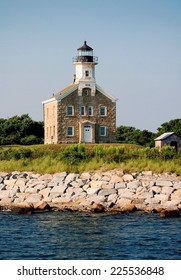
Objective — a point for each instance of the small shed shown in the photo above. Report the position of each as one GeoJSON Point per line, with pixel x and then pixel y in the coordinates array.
{"type": "Point", "coordinates": [169, 139]}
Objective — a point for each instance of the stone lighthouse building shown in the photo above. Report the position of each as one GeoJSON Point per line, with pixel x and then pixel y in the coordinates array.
{"type": "Point", "coordinates": [82, 112]}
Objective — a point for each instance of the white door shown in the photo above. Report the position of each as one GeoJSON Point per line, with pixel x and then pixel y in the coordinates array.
{"type": "Point", "coordinates": [87, 134]}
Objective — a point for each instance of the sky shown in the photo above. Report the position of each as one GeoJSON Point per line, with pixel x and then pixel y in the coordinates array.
{"type": "Point", "coordinates": [138, 44]}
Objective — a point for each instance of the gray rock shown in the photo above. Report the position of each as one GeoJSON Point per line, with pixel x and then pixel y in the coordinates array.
{"type": "Point", "coordinates": [133, 184]}
{"type": "Point", "coordinates": [121, 185]}
{"type": "Point", "coordinates": [163, 183]}
{"type": "Point", "coordinates": [167, 190]}
{"type": "Point", "coordinates": [126, 193]}
{"type": "Point", "coordinates": [177, 185]}
{"type": "Point", "coordinates": [93, 190]}
{"type": "Point", "coordinates": [106, 192]}
{"type": "Point", "coordinates": [59, 189]}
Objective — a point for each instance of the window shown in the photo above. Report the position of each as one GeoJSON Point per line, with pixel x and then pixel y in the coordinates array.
{"type": "Point", "coordinates": [70, 131]}
{"type": "Point", "coordinates": [86, 73]}
{"type": "Point", "coordinates": [102, 131]}
{"type": "Point", "coordinates": [82, 110]}
{"type": "Point", "coordinates": [90, 110]}
{"type": "Point", "coordinates": [85, 92]}
{"type": "Point", "coordinates": [103, 110]}
{"type": "Point", "coordinates": [70, 110]}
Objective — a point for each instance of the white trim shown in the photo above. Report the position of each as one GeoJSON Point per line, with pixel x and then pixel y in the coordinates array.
{"type": "Point", "coordinates": [49, 100]}
{"type": "Point", "coordinates": [61, 96]}
{"type": "Point", "coordinates": [72, 130]}
{"type": "Point", "coordinates": [70, 106]}
{"type": "Point", "coordinates": [105, 130]}
{"type": "Point", "coordinates": [105, 110]}
{"type": "Point", "coordinates": [113, 99]}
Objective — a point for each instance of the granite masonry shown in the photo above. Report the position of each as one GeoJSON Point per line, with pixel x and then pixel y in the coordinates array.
{"type": "Point", "coordinates": [112, 191]}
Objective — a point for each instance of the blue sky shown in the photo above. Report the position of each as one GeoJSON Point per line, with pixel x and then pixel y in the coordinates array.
{"type": "Point", "coordinates": [138, 43]}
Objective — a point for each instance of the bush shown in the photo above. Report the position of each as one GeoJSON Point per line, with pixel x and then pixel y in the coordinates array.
{"type": "Point", "coordinates": [168, 152]}
{"type": "Point", "coordinates": [31, 140]}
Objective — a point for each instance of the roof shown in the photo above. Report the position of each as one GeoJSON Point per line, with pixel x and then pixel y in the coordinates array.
{"type": "Point", "coordinates": [85, 47]}
{"type": "Point", "coordinates": [71, 88]}
{"type": "Point", "coordinates": [164, 136]}
{"type": "Point", "coordinates": [68, 89]}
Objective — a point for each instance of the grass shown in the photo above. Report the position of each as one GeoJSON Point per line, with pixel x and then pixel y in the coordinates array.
{"type": "Point", "coordinates": [80, 158]}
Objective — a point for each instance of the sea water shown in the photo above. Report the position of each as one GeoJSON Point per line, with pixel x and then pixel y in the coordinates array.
{"type": "Point", "coordinates": [84, 236]}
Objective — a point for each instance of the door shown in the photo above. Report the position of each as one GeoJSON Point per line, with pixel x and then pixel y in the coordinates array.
{"type": "Point", "coordinates": [87, 134]}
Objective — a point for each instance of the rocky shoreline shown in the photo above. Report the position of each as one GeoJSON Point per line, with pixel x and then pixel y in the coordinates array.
{"type": "Point", "coordinates": [113, 191]}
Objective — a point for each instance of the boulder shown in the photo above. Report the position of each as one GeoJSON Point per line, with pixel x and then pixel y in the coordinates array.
{"type": "Point", "coordinates": [85, 176]}
{"type": "Point", "coordinates": [167, 190]}
{"type": "Point", "coordinates": [42, 205]}
{"type": "Point", "coordinates": [125, 204]}
{"type": "Point", "coordinates": [107, 191]}
{"type": "Point", "coordinates": [59, 189]}
{"type": "Point", "coordinates": [120, 185]}
{"type": "Point", "coordinates": [169, 213]}
{"type": "Point", "coordinates": [127, 178]}
{"type": "Point", "coordinates": [177, 185]}
{"type": "Point", "coordinates": [45, 192]}
{"type": "Point", "coordinates": [164, 183]}
{"type": "Point", "coordinates": [176, 194]}
{"type": "Point", "coordinates": [115, 179]}
{"type": "Point", "coordinates": [133, 185]}
{"type": "Point", "coordinates": [93, 190]}
{"type": "Point", "coordinates": [33, 198]}
{"type": "Point", "coordinates": [97, 208]}
{"type": "Point", "coordinates": [126, 193]}
{"type": "Point", "coordinates": [4, 193]}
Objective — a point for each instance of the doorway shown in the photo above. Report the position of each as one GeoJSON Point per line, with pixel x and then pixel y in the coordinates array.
{"type": "Point", "coordinates": [174, 144]}
{"type": "Point", "coordinates": [87, 134]}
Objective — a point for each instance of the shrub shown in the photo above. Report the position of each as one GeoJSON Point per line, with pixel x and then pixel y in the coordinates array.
{"type": "Point", "coordinates": [168, 152]}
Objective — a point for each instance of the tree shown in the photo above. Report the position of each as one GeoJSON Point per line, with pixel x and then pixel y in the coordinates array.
{"type": "Point", "coordinates": [131, 135]}
{"type": "Point", "coordinates": [171, 126]}
{"type": "Point", "coordinates": [21, 130]}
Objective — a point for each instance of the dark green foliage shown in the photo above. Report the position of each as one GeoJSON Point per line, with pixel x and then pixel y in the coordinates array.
{"type": "Point", "coordinates": [8, 154]}
{"type": "Point", "coordinates": [131, 135]}
{"type": "Point", "coordinates": [171, 126]}
{"type": "Point", "coordinates": [21, 130]}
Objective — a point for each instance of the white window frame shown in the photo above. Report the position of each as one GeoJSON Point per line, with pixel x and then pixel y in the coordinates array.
{"type": "Point", "coordinates": [105, 111]}
{"type": "Point", "coordinates": [90, 108]}
{"type": "Point", "coordinates": [72, 110]}
{"type": "Point", "coordinates": [82, 108]}
{"type": "Point", "coordinates": [72, 128]}
{"type": "Point", "coordinates": [100, 130]}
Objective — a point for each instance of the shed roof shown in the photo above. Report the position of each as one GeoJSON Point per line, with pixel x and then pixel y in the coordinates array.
{"type": "Point", "coordinates": [164, 136]}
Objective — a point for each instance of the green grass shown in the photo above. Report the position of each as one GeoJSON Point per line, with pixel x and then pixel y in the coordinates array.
{"type": "Point", "coordinates": [80, 158]}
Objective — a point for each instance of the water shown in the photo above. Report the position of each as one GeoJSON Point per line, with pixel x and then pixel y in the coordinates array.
{"type": "Point", "coordinates": [70, 235]}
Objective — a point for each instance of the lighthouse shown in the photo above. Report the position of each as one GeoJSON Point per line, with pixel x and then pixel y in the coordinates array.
{"type": "Point", "coordinates": [82, 112]}
{"type": "Point", "coordinates": [84, 64]}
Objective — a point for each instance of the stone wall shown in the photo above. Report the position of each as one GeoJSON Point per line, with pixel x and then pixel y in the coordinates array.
{"type": "Point", "coordinates": [77, 101]}
{"type": "Point", "coordinates": [112, 191]}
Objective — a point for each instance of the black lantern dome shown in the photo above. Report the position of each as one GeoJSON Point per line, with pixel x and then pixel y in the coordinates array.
{"type": "Point", "coordinates": [85, 54]}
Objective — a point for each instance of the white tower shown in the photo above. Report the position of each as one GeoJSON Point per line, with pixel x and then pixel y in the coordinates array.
{"type": "Point", "coordinates": [84, 64]}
